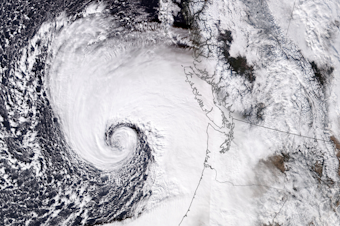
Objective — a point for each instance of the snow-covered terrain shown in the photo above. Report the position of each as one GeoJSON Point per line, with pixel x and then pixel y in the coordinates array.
{"type": "Point", "coordinates": [170, 113]}
{"type": "Point", "coordinates": [290, 180]}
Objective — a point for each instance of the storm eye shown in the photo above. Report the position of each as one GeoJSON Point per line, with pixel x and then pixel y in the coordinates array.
{"type": "Point", "coordinates": [121, 139]}
{"type": "Point", "coordinates": [128, 112]}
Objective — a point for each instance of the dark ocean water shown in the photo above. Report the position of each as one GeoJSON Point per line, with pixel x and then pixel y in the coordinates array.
{"type": "Point", "coordinates": [41, 182]}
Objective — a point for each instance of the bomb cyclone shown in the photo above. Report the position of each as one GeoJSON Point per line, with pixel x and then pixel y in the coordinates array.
{"type": "Point", "coordinates": [78, 79]}
{"type": "Point", "coordinates": [42, 183]}
{"type": "Point", "coordinates": [61, 163]}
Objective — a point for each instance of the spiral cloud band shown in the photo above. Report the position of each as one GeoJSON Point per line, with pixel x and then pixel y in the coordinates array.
{"type": "Point", "coordinates": [96, 82]}
{"type": "Point", "coordinates": [157, 112]}
{"type": "Point", "coordinates": [101, 122]}
{"type": "Point", "coordinates": [125, 108]}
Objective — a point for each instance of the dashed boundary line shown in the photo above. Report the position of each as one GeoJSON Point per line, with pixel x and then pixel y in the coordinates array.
{"type": "Point", "coordinates": [290, 18]}
{"type": "Point", "coordinates": [281, 131]}
{"type": "Point", "coordinates": [206, 165]}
